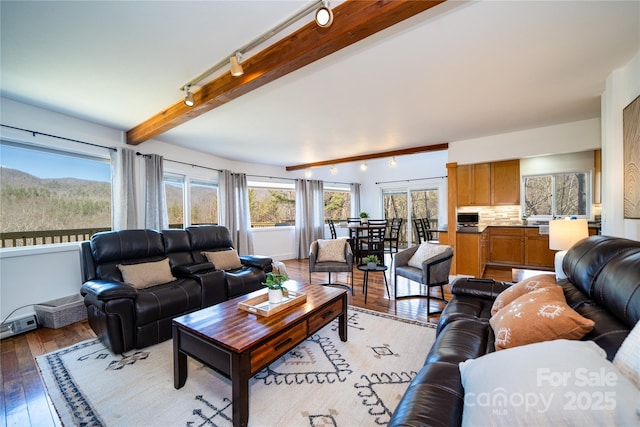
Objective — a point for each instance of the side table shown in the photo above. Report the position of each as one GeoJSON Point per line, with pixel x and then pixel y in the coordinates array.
{"type": "Point", "coordinates": [365, 283]}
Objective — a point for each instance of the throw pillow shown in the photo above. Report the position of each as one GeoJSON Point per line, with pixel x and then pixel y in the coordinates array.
{"type": "Point", "coordinates": [553, 383]}
{"type": "Point", "coordinates": [521, 288]}
{"type": "Point", "coordinates": [537, 316]}
{"type": "Point", "coordinates": [424, 252]}
{"type": "Point", "coordinates": [627, 359]}
{"type": "Point", "coordinates": [147, 274]}
{"type": "Point", "coordinates": [331, 250]}
{"type": "Point", "coordinates": [224, 260]}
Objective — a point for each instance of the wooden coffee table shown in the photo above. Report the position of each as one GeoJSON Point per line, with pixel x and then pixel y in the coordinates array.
{"type": "Point", "coordinates": [239, 344]}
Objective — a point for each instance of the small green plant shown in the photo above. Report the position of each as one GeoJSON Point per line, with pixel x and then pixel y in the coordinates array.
{"type": "Point", "coordinates": [276, 281]}
{"type": "Point", "coordinates": [364, 215]}
{"type": "Point", "coordinates": [372, 258]}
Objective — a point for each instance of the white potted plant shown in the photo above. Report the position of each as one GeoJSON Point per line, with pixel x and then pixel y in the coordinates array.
{"type": "Point", "coordinates": [364, 217]}
{"type": "Point", "coordinates": [275, 283]}
{"type": "Point", "coordinates": [372, 261]}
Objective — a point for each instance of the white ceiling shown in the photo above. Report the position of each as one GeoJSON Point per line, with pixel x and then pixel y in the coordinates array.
{"type": "Point", "coordinates": [458, 71]}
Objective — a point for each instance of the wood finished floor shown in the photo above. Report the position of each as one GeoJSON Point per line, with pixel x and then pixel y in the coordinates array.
{"type": "Point", "coordinates": [24, 399]}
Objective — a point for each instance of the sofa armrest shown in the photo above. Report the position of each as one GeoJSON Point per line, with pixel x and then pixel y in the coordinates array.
{"type": "Point", "coordinates": [481, 288]}
{"type": "Point", "coordinates": [262, 262]}
{"type": "Point", "coordinates": [104, 290]}
{"type": "Point", "coordinates": [191, 269]}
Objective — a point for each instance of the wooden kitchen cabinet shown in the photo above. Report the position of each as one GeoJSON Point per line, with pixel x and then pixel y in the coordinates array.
{"type": "Point", "coordinates": [505, 183]}
{"type": "Point", "coordinates": [471, 258]}
{"type": "Point", "coordinates": [474, 185]}
{"type": "Point", "coordinates": [536, 249]}
{"type": "Point", "coordinates": [506, 245]}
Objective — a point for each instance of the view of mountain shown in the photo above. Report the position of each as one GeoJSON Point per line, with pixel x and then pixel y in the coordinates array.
{"type": "Point", "coordinates": [29, 203]}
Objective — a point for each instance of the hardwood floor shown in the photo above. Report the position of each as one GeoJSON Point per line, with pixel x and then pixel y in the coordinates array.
{"type": "Point", "coordinates": [24, 399]}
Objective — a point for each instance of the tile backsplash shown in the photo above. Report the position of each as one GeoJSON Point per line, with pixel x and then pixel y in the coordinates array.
{"type": "Point", "coordinates": [495, 215]}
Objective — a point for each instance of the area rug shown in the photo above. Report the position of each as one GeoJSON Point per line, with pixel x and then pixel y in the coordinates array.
{"type": "Point", "coordinates": [321, 382]}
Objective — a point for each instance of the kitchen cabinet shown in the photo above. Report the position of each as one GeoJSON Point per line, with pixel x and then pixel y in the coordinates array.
{"type": "Point", "coordinates": [489, 184]}
{"type": "Point", "coordinates": [506, 245]}
{"type": "Point", "coordinates": [472, 253]}
{"type": "Point", "coordinates": [505, 183]}
{"type": "Point", "coordinates": [536, 249]}
{"type": "Point", "coordinates": [474, 184]}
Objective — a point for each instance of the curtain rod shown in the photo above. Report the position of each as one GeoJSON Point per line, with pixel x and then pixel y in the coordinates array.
{"type": "Point", "coordinates": [34, 133]}
{"type": "Point", "coordinates": [182, 163]}
{"type": "Point", "coordinates": [409, 180]}
{"type": "Point", "coordinates": [295, 179]}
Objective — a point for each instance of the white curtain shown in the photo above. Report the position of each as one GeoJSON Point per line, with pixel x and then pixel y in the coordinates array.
{"type": "Point", "coordinates": [309, 214]}
{"type": "Point", "coordinates": [124, 197]}
{"type": "Point", "coordinates": [234, 210]}
{"type": "Point", "coordinates": [155, 201]}
{"type": "Point", "coordinates": [355, 200]}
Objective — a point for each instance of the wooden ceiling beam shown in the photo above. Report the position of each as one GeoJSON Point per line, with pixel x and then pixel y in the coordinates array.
{"type": "Point", "coordinates": [354, 20]}
{"type": "Point", "coordinates": [393, 153]}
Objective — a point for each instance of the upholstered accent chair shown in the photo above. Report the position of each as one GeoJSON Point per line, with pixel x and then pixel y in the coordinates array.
{"type": "Point", "coordinates": [428, 264]}
{"type": "Point", "coordinates": [331, 256]}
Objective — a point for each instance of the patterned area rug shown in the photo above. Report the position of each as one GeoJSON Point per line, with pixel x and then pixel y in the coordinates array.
{"type": "Point", "coordinates": [321, 382]}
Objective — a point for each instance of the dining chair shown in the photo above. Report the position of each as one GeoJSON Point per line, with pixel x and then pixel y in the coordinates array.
{"type": "Point", "coordinates": [371, 240]}
{"type": "Point", "coordinates": [421, 235]}
{"type": "Point", "coordinates": [332, 229]}
{"type": "Point", "coordinates": [394, 236]}
{"type": "Point", "coordinates": [430, 229]}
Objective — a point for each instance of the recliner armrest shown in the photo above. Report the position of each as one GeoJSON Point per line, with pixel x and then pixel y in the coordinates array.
{"type": "Point", "coordinates": [104, 290]}
{"type": "Point", "coordinates": [191, 269]}
{"type": "Point", "coordinates": [262, 262]}
{"type": "Point", "coordinates": [482, 288]}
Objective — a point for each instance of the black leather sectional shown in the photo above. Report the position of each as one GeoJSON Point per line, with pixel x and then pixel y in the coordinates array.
{"type": "Point", "coordinates": [603, 285]}
{"type": "Point", "coordinates": [125, 317]}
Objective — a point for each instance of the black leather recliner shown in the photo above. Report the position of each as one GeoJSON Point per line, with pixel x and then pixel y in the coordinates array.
{"type": "Point", "coordinates": [125, 317]}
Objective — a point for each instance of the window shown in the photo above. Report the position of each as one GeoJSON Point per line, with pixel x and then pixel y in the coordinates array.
{"type": "Point", "coordinates": [337, 203]}
{"type": "Point", "coordinates": [204, 202]}
{"type": "Point", "coordinates": [52, 196]}
{"type": "Point", "coordinates": [272, 204]}
{"type": "Point", "coordinates": [561, 194]}
{"type": "Point", "coordinates": [410, 204]}
{"type": "Point", "coordinates": [174, 191]}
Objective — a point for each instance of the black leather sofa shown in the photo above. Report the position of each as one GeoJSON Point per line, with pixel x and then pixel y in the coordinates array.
{"type": "Point", "coordinates": [125, 317]}
{"type": "Point", "coordinates": [603, 285]}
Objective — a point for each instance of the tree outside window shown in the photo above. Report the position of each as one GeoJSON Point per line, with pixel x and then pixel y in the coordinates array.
{"type": "Point", "coordinates": [337, 203]}
{"type": "Point", "coordinates": [562, 194]}
{"type": "Point", "coordinates": [271, 204]}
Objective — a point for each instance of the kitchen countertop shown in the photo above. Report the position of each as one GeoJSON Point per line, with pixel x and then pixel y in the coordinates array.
{"type": "Point", "coordinates": [481, 228]}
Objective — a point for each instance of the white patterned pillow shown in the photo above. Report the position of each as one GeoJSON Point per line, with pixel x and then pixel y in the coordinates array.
{"type": "Point", "coordinates": [537, 316]}
{"type": "Point", "coordinates": [627, 359]}
{"type": "Point", "coordinates": [331, 250]}
{"type": "Point", "coordinates": [425, 252]}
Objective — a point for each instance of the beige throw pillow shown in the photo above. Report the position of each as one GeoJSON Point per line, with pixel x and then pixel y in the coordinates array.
{"type": "Point", "coordinates": [424, 252]}
{"type": "Point", "coordinates": [331, 250]}
{"type": "Point", "coordinates": [224, 260]}
{"type": "Point", "coordinates": [537, 316]}
{"type": "Point", "coordinates": [147, 274]}
{"type": "Point", "coordinates": [528, 285]}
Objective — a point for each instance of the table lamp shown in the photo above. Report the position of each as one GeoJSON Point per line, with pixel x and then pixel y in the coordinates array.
{"type": "Point", "coordinates": [564, 233]}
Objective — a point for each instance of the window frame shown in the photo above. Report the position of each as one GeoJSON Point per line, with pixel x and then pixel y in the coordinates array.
{"type": "Point", "coordinates": [554, 214]}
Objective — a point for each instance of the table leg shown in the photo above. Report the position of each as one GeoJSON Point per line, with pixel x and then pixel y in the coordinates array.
{"type": "Point", "coordinates": [240, 374]}
{"type": "Point", "coordinates": [342, 320]}
{"type": "Point", "coordinates": [365, 285]}
{"type": "Point", "coordinates": [386, 284]}
{"type": "Point", "coordinates": [179, 361]}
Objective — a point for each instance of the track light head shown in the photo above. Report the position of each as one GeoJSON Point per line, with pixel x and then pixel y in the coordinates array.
{"type": "Point", "coordinates": [363, 167]}
{"type": "Point", "coordinates": [324, 15]}
{"type": "Point", "coordinates": [188, 99]}
{"type": "Point", "coordinates": [236, 68]}
{"type": "Point", "coordinates": [333, 170]}
{"type": "Point", "coordinates": [392, 162]}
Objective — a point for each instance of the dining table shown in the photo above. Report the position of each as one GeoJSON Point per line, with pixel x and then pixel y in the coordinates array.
{"type": "Point", "coordinates": [356, 231]}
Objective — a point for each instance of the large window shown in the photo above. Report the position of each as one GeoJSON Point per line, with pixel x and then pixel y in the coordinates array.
{"type": "Point", "coordinates": [201, 198]}
{"type": "Point", "coordinates": [272, 204]}
{"type": "Point", "coordinates": [52, 196]}
{"type": "Point", "coordinates": [409, 204]}
{"type": "Point", "coordinates": [337, 203]}
{"type": "Point", "coordinates": [562, 194]}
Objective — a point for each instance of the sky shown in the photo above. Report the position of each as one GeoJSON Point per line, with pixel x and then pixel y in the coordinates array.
{"type": "Point", "coordinates": [44, 164]}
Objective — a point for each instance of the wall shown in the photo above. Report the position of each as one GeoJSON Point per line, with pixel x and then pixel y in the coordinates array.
{"type": "Point", "coordinates": [622, 87]}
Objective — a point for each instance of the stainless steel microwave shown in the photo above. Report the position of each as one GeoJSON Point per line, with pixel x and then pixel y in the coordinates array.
{"type": "Point", "coordinates": [469, 218]}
